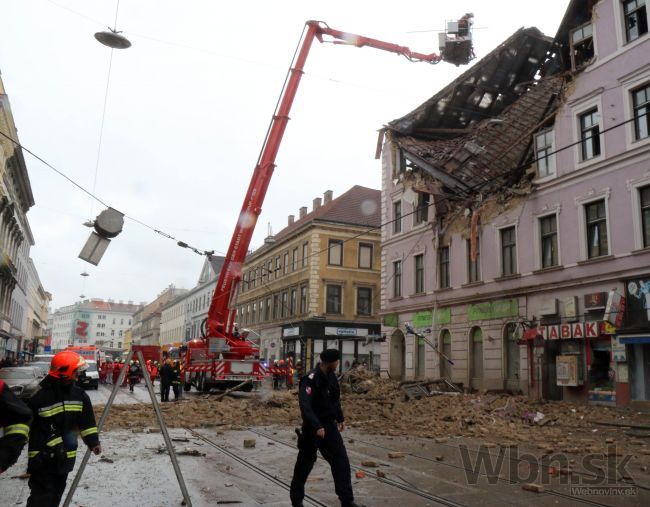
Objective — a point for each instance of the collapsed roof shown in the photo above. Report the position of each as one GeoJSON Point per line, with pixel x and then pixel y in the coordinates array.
{"type": "Point", "coordinates": [474, 135]}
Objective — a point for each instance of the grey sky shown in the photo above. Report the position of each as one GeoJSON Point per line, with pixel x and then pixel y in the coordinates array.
{"type": "Point", "coordinates": [188, 106]}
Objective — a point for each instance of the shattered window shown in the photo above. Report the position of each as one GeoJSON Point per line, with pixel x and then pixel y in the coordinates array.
{"type": "Point", "coordinates": [397, 279]}
{"type": "Point", "coordinates": [582, 46]}
{"type": "Point", "coordinates": [422, 210]}
{"type": "Point", "coordinates": [645, 214]}
{"type": "Point", "coordinates": [597, 244]}
{"type": "Point", "coordinates": [636, 19]}
{"type": "Point", "coordinates": [397, 217]}
{"type": "Point", "coordinates": [548, 228]}
{"type": "Point", "coordinates": [590, 134]}
{"type": "Point", "coordinates": [543, 154]}
{"type": "Point", "coordinates": [641, 105]}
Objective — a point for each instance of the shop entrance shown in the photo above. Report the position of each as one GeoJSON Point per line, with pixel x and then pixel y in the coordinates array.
{"type": "Point", "coordinates": [639, 367]}
{"type": "Point", "coordinates": [550, 389]}
{"type": "Point", "coordinates": [397, 348]}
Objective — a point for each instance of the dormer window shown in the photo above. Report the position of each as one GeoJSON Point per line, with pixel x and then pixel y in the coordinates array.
{"type": "Point", "coordinates": [582, 46]}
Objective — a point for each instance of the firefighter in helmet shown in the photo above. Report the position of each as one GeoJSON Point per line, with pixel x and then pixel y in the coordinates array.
{"type": "Point", "coordinates": [62, 412]}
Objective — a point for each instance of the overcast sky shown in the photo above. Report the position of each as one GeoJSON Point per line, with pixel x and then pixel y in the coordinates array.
{"type": "Point", "coordinates": [188, 106]}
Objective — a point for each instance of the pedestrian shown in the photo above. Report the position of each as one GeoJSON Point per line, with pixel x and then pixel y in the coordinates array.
{"type": "Point", "coordinates": [134, 374]}
{"type": "Point", "coordinates": [322, 421]}
{"type": "Point", "coordinates": [166, 374]}
{"type": "Point", "coordinates": [62, 411]}
{"type": "Point", "coordinates": [15, 418]}
{"type": "Point", "coordinates": [154, 371]}
{"type": "Point", "coordinates": [176, 379]}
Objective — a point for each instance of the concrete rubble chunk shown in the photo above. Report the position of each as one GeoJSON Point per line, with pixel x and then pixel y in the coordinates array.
{"type": "Point", "coordinates": [249, 443]}
{"type": "Point", "coordinates": [535, 488]}
{"type": "Point", "coordinates": [396, 455]}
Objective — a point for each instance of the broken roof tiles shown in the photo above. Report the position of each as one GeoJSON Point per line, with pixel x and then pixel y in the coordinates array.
{"type": "Point", "coordinates": [483, 91]}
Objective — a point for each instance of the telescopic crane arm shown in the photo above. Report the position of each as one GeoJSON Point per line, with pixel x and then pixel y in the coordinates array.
{"type": "Point", "coordinates": [455, 46]}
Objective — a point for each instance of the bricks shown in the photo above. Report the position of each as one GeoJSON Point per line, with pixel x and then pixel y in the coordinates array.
{"type": "Point", "coordinates": [381, 474]}
{"type": "Point", "coordinates": [535, 488]}
{"type": "Point", "coordinates": [360, 474]}
{"type": "Point", "coordinates": [368, 463]}
{"type": "Point", "coordinates": [249, 443]}
{"type": "Point", "coordinates": [396, 455]}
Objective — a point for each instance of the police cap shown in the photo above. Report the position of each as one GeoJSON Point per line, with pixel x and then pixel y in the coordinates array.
{"type": "Point", "coordinates": [330, 355]}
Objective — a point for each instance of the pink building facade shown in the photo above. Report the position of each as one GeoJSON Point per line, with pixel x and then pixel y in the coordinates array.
{"type": "Point", "coordinates": [515, 271]}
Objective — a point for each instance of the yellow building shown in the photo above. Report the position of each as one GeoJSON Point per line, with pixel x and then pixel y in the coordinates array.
{"type": "Point", "coordinates": [315, 284]}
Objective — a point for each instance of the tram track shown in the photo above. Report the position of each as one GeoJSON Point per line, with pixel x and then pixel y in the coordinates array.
{"type": "Point", "coordinates": [556, 493]}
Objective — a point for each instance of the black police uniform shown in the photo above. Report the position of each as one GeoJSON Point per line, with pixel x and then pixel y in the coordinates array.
{"type": "Point", "coordinates": [61, 413]}
{"type": "Point", "coordinates": [15, 418]}
{"type": "Point", "coordinates": [320, 407]}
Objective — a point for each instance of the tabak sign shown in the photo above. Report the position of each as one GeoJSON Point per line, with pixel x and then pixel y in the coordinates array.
{"type": "Point", "coordinates": [577, 330]}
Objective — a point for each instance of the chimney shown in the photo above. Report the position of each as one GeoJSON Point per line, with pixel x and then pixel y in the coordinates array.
{"type": "Point", "coordinates": [327, 196]}
{"type": "Point", "coordinates": [317, 202]}
{"type": "Point", "coordinates": [292, 218]}
{"type": "Point", "coordinates": [303, 212]}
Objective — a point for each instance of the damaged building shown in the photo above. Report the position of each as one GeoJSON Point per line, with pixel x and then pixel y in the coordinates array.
{"type": "Point", "coordinates": [519, 206]}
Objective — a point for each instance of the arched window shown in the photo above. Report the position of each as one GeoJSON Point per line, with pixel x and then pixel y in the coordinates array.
{"type": "Point", "coordinates": [511, 350]}
{"type": "Point", "coordinates": [476, 365]}
{"type": "Point", "coordinates": [445, 347]}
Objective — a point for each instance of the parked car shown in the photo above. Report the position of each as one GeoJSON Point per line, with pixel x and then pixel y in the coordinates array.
{"type": "Point", "coordinates": [42, 366]}
{"type": "Point", "coordinates": [22, 380]}
{"type": "Point", "coordinates": [89, 379]}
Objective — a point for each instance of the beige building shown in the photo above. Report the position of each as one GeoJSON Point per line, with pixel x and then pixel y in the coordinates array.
{"type": "Point", "coordinates": [315, 284]}
{"type": "Point", "coordinates": [146, 323]}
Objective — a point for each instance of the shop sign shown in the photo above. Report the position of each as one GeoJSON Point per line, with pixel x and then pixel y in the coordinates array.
{"type": "Point", "coordinates": [615, 309]}
{"type": "Point", "coordinates": [571, 308]}
{"type": "Point", "coordinates": [493, 309]}
{"type": "Point", "coordinates": [391, 320]}
{"type": "Point", "coordinates": [345, 331]}
{"type": "Point", "coordinates": [618, 350]}
{"type": "Point", "coordinates": [291, 331]}
{"type": "Point", "coordinates": [576, 331]}
{"type": "Point", "coordinates": [595, 300]}
{"type": "Point", "coordinates": [567, 373]}
{"type": "Point", "coordinates": [422, 319]}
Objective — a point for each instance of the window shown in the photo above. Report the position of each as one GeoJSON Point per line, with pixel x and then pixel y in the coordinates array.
{"type": "Point", "coordinates": [365, 256]}
{"type": "Point", "coordinates": [645, 214]}
{"type": "Point", "coordinates": [641, 105]}
{"type": "Point", "coordinates": [364, 301]}
{"type": "Point", "coordinates": [397, 279]}
{"type": "Point", "coordinates": [335, 252]}
{"type": "Point", "coordinates": [590, 134]}
{"type": "Point", "coordinates": [277, 266]}
{"type": "Point", "coordinates": [121, 322]}
{"type": "Point", "coordinates": [113, 321]}
{"type": "Point", "coordinates": [254, 314]}
{"type": "Point", "coordinates": [285, 268]}
{"type": "Point", "coordinates": [636, 19]}
{"type": "Point", "coordinates": [508, 251]}
{"type": "Point", "coordinates": [473, 266]}
{"type": "Point", "coordinates": [263, 271]}
{"type": "Point", "coordinates": [112, 332]}
{"type": "Point", "coordinates": [543, 150]}
{"type": "Point", "coordinates": [422, 209]}
{"type": "Point", "coordinates": [305, 253]}
{"type": "Point", "coordinates": [333, 304]}
{"type": "Point", "coordinates": [267, 310]}
{"type": "Point", "coordinates": [270, 270]}
{"type": "Point", "coordinates": [294, 297]}
{"type": "Point", "coordinates": [303, 299]}
{"type": "Point", "coordinates": [294, 260]}
{"type": "Point", "coordinates": [419, 273]}
{"type": "Point", "coordinates": [285, 306]}
{"type": "Point", "coordinates": [276, 306]}
{"type": "Point", "coordinates": [548, 230]}
{"type": "Point", "coordinates": [596, 229]}
{"type": "Point", "coordinates": [582, 46]}
{"type": "Point", "coordinates": [397, 217]}
{"type": "Point", "coordinates": [443, 267]}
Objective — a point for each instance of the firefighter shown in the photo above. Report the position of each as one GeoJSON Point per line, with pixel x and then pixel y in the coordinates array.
{"type": "Point", "coordinates": [103, 372]}
{"type": "Point", "coordinates": [166, 374]}
{"type": "Point", "coordinates": [15, 418]}
{"type": "Point", "coordinates": [117, 367]}
{"type": "Point", "coordinates": [176, 379]}
{"type": "Point", "coordinates": [134, 374]}
{"type": "Point", "coordinates": [61, 410]}
{"type": "Point", "coordinates": [276, 375]}
{"type": "Point", "coordinates": [154, 371]}
{"type": "Point", "coordinates": [289, 378]}
{"type": "Point", "coordinates": [320, 407]}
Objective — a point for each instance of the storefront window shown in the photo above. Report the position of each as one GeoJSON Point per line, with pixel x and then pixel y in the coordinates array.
{"type": "Point", "coordinates": [599, 369]}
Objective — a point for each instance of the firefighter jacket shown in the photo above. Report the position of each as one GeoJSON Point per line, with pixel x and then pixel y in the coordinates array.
{"type": "Point", "coordinates": [176, 375]}
{"type": "Point", "coordinates": [166, 374]}
{"type": "Point", "coordinates": [320, 398]}
{"type": "Point", "coordinates": [61, 413]}
{"type": "Point", "coordinates": [15, 418]}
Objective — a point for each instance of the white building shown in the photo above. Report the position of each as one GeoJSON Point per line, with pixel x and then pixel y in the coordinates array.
{"type": "Point", "coordinates": [92, 322]}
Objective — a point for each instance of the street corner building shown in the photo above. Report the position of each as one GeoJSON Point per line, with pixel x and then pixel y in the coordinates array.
{"type": "Point", "coordinates": [314, 285]}
{"type": "Point", "coordinates": [519, 206]}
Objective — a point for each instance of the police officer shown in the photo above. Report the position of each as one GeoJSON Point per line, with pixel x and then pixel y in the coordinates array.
{"type": "Point", "coordinates": [322, 419]}
{"type": "Point", "coordinates": [62, 411]}
{"type": "Point", "coordinates": [15, 418]}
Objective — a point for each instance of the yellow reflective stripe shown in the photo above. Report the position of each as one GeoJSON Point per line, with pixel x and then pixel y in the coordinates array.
{"type": "Point", "coordinates": [54, 441]}
{"type": "Point", "coordinates": [31, 454]}
{"type": "Point", "coordinates": [50, 407]}
{"type": "Point", "coordinates": [89, 431]}
{"type": "Point", "coordinates": [73, 408]}
{"type": "Point", "coordinates": [51, 412]}
{"type": "Point", "coordinates": [71, 454]}
{"type": "Point", "coordinates": [17, 429]}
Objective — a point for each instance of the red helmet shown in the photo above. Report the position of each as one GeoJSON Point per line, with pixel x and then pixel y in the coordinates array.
{"type": "Point", "coordinates": [65, 363]}
{"type": "Point", "coordinates": [281, 362]}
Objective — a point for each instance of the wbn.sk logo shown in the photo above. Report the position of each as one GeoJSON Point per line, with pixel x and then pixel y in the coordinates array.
{"type": "Point", "coordinates": [596, 469]}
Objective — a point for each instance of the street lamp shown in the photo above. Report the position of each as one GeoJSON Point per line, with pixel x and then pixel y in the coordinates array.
{"type": "Point", "coordinates": [113, 39]}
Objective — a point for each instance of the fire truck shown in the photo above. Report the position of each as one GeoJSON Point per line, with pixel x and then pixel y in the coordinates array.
{"type": "Point", "coordinates": [223, 356]}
